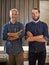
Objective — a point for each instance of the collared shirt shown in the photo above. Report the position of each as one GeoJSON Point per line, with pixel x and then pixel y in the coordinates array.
{"type": "Point", "coordinates": [15, 46]}
{"type": "Point", "coordinates": [35, 21]}
{"type": "Point", "coordinates": [39, 28]}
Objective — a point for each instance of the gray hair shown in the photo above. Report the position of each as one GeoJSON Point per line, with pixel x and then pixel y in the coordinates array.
{"type": "Point", "coordinates": [14, 9]}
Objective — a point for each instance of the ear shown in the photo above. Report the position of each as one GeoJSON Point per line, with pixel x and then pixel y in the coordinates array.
{"type": "Point", "coordinates": [9, 15]}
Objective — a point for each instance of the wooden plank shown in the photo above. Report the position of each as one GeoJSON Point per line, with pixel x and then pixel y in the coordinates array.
{"type": "Point", "coordinates": [18, 7]}
{"type": "Point", "coordinates": [30, 9]}
{"type": "Point", "coordinates": [3, 11]}
{"type": "Point", "coordinates": [22, 11]}
{"type": "Point", "coordinates": [36, 3]}
{"type": "Point", "coordinates": [0, 17]}
{"type": "Point", "coordinates": [8, 7]}
{"type": "Point", "coordinates": [13, 3]}
{"type": "Point", "coordinates": [26, 11]}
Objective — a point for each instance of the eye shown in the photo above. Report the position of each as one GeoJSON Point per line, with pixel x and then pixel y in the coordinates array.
{"type": "Point", "coordinates": [32, 13]}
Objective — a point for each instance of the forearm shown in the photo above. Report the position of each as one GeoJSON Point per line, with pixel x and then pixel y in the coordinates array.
{"type": "Point", "coordinates": [11, 38]}
{"type": "Point", "coordinates": [34, 38]}
{"type": "Point", "coordinates": [17, 34]}
{"type": "Point", "coordinates": [41, 40]}
{"type": "Point", "coordinates": [12, 34]}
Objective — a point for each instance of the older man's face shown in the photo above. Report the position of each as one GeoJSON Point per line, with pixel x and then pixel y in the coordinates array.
{"type": "Point", "coordinates": [13, 15]}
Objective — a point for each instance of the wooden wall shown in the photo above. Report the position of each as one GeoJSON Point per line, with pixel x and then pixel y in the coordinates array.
{"type": "Point", "coordinates": [24, 7]}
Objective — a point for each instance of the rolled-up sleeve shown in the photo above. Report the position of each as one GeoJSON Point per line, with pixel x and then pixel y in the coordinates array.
{"type": "Point", "coordinates": [4, 32]}
{"type": "Point", "coordinates": [22, 33]}
{"type": "Point", "coordinates": [45, 31]}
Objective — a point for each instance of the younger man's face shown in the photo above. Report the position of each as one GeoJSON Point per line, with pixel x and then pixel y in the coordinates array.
{"type": "Point", "coordinates": [35, 15]}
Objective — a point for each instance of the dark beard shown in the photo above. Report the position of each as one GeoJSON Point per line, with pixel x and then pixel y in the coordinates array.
{"type": "Point", "coordinates": [35, 19]}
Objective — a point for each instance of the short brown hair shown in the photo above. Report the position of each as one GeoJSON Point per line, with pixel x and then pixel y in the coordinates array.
{"type": "Point", "coordinates": [37, 9]}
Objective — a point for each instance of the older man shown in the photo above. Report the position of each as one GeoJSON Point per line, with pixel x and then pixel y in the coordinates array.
{"type": "Point", "coordinates": [12, 33]}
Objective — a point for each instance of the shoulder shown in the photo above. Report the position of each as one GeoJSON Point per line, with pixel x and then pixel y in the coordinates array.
{"type": "Point", "coordinates": [30, 23]}
{"type": "Point", "coordinates": [20, 24]}
{"type": "Point", "coordinates": [6, 24]}
{"type": "Point", "coordinates": [43, 24]}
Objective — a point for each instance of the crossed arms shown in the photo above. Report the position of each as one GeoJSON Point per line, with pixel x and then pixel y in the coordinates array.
{"type": "Point", "coordinates": [13, 36]}
{"type": "Point", "coordinates": [32, 38]}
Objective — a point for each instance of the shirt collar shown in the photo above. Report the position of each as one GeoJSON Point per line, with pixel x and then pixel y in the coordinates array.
{"type": "Point", "coordinates": [11, 22]}
{"type": "Point", "coordinates": [36, 21]}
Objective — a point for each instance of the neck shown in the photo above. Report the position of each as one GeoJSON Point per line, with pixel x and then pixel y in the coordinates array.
{"type": "Point", "coordinates": [13, 21]}
{"type": "Point", "coordinates": [35, 21]}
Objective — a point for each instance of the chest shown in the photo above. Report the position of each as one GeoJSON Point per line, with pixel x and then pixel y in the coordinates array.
{"type": "Point", "coordinates": [13, 28]}
{"type": "Point", "coordinates": [36, 29]}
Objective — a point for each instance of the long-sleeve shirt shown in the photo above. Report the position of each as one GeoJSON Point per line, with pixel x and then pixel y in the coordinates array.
{"type": "Point", "coordinates": [39, 28]}
{"type": "Point", "coordinates": [14, 46]}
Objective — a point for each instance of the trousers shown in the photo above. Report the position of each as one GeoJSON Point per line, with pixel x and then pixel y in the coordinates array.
{"type": "Point", "coordinates": [41, 56]}
{"type": "Point", "coordinates": [16, 59]}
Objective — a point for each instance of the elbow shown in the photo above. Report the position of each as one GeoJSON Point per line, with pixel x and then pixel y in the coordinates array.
{"type": "Point", "coordinates": [4, 37]}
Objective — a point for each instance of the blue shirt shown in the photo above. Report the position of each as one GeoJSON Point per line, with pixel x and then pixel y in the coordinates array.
{"type": "Point", "coordinates": [15, 46]}
{"type": "Point", "coordinates": [39, 28]}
